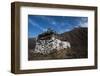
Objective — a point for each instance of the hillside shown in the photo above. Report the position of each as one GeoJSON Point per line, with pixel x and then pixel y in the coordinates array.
{"type": "Point", "coordinates": [78, 40]}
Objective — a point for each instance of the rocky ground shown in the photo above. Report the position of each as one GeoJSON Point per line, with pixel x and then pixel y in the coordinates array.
{"type": "Point", "coordinates": [61, 54]}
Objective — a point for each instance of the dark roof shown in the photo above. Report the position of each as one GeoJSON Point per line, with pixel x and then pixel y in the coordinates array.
{"type": "Point", "coordinates": [49, 32]}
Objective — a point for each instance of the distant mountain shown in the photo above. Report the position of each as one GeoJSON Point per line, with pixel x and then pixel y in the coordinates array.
{"type": "Point", "coordinates": [78, 38]}
{"type": "Point", "coordinates": [31, 43]}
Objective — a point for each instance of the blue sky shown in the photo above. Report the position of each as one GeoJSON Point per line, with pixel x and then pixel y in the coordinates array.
{"type": "Point", "coordinates": [40, 23]}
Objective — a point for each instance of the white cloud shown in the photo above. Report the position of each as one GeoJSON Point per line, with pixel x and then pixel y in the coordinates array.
{"type": "Point", "coordinates": [36, 25]}
{"type": "Point", "coordinates": [83, 24]}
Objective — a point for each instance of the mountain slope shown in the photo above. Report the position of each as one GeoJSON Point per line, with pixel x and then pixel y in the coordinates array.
{"type": "Point", "coordinates": [78, 40]}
